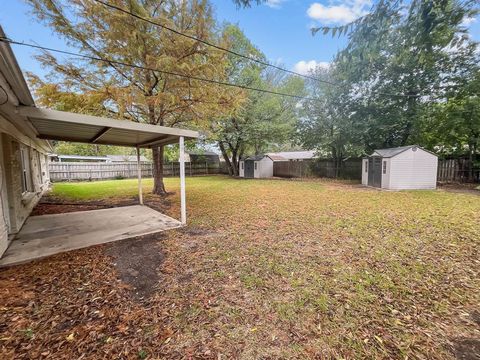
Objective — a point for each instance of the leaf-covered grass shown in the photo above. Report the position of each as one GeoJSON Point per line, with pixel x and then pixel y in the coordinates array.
{"type": "Point", "coordinates": [269, 269]}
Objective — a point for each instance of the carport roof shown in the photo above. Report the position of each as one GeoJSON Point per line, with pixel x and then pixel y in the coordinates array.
{"type": "Point", "coordinates": [66, 126]}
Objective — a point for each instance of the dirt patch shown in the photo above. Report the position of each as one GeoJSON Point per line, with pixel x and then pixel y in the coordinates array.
{"type": "Point", "coordinates": [53, 205]}
{"type": "Point", "coordinates": [137, 261]}
{"type": "Point", "coordinates": [466, 188]}
{"type": "Point", "coordinates": [467, 349]}
{"type": "Point", "coordinates": [476, 317]}
{"type": "Point", "coordinates": [46, 209]}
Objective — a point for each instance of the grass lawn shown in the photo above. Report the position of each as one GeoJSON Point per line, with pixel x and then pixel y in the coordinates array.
{"type": "Point", "coordinates": [266, 269]}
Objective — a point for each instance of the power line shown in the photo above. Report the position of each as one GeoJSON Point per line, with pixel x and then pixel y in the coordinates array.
{"type": "Point", "coordinates": [212, 81]}
{"type": "Point", "coordinates": [264, 63]}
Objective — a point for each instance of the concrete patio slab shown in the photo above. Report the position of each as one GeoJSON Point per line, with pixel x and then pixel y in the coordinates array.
{"type": "Point", "coordinates": [46, 235]}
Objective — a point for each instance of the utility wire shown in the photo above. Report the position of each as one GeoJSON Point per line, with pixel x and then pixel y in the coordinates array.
{"type": "Point", "coordinates": [212, 81]}
{"type": "Point", "coordinates": [264, 63]}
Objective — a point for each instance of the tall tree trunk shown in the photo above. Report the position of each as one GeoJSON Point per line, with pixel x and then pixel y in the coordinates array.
{"type": "Point", "coordinates": [158, 185]}
{"type": "Point", "coordinates": [225, 157]}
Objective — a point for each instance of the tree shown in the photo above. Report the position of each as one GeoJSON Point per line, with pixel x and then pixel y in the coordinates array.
{"type": "Point", "coordinates": [399, 60]}
{"type": "Point", "coordinates": [453, 127]}
{"type": "Point", "coordinates": [327, 125]}
{"type": "Point", "coordinates": [136, 93]}
{"type": "Point", "coordinates": [263, 120]}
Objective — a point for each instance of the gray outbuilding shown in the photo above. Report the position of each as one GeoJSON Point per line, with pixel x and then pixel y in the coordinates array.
{"type": "Point", "coordinates": [258, 166]}
{"type": "Point", "coordinates": [400, 168]}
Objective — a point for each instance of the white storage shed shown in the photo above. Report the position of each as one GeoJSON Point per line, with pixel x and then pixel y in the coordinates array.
{"type": "Point", "coordinates": [259, 166]}
{"type": "Point", "coordinates": [401, 168]}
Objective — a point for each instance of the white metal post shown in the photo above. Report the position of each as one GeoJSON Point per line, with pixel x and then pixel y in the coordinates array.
{"type": "Point", "coordinates": [139, 174]}
{"type": "Point", "coordinates": [182, 182]}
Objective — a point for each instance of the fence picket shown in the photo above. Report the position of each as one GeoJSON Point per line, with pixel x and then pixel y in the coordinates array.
{"type": "Point", "coordinates": [76, 171]}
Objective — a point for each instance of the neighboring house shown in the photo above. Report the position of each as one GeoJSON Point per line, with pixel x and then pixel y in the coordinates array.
{"type": "Point", "coordinates": [105, 159]}
{"type": "Point", "coordinates": [77, 158]}
{"type": "Point", "coordinates": [202, 157]}
{"type": "Point", "coordinates": [259, 166]}
{"type": "Point", "coordinates": [125, 158]}
{"type": "Point", "coordinates": [23, 157]}
{"type": "Point", "coordinates": [407, 167]}
{"type": "Point", "coordinates": [293, 155]}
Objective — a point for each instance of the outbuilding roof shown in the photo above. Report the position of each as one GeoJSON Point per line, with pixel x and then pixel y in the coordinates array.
{"type": "Point", "coordinates": [257, 157]}
{"type": "Point", "coordinates": [391, 152]}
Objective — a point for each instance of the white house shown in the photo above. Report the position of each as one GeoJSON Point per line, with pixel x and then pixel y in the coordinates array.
{"type": "Point", "coordinates": [23, 156]}
{"type": "Point", "coordinates": [259, 166]}
{"type": "Point", "coordinates": [25, 131]}
{"type": "Point", "coordinates": [401, 168]}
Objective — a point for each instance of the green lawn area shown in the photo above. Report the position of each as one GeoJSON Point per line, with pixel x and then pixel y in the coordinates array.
{"type": "Point", "coordinates": [267, 269]}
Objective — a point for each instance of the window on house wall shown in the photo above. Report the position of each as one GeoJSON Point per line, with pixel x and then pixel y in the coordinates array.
{"type": "Point", "coordinates": [39, 167]}
{"type": "Point", "coordinates": [255, 165]}
{"type": "Point", "coordinates": [384, 167]}
{"type": "Point", "coordinates": [242, 165]}
{"type": "Point", "coordinates": [26, 174]}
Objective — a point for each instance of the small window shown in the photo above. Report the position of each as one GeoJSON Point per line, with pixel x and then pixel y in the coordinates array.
{"type": "Point", "coordinates": [366, 166]}
{"type": "Point", "coordinates": [26, 174]}
{"type": "Point", "coordinates": [242, 165]}
{"type": "Point", "coordinates": [255, 165]}
{"type": "Point", "coordinates": [384, 167]}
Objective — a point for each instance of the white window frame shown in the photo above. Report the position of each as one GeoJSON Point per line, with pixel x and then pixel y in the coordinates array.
{"type": "Point", "coordinates": [26, 172]}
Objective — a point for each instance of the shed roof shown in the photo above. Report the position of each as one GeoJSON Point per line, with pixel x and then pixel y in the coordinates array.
{"type": "Point", "coordinates": [66, 126]}
{"type": "Point", "coordinates": [257, 157]}
{"type": "Point", "coordinates": [391, 152]}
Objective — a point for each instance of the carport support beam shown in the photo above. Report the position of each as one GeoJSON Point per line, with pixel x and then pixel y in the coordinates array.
{"type": "Point", "coordinates": [183, 207]}
{"type": "Point", "coordinates": [139, 173]}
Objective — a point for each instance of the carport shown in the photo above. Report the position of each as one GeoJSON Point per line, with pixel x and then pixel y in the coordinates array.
{"type": "Point", "coordinates": [49, 234]}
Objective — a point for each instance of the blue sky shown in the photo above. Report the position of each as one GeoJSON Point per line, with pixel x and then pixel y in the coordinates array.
{"type": "Point", "coordinates": [280, 28]}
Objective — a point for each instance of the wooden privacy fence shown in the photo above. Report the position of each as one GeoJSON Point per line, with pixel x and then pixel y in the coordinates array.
{"type": "Point", "coordinates": [449, 170]}
{"type": "Point", "coordinates": [350, 169]}
{"type": "Point", "coordinates": [457, 170]}
{"type": "Point", "coordinates": [77, 171]}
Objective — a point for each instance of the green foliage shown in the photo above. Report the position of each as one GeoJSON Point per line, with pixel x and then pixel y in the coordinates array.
{"type": "Point", "coordinates": [263, 120]}
{"type": "Point", "coordinates": [403, 61]}
{"type": "Point", "coordinates": [134, 93]}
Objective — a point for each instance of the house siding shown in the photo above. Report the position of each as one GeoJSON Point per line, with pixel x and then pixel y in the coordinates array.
{"type": "Point", "coordinates": [16, 203]}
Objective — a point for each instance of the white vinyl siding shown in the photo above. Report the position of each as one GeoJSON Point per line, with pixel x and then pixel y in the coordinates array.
{"type": "Point", "coordinates": [412, 170]}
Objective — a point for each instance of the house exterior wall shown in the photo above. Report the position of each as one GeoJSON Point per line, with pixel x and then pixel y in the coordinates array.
{"type": "Point", "coordinates": [365, 171]}
{"type": "Point", "coordinates": [17, 203]}
{"type": "Point", "coordinates": [241, 170]}
{"type": "Point", "coordinates": [413, 170]}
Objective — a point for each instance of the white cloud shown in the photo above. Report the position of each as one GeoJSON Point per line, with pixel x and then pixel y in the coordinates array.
{"type": "Point", "coordinates": [305, 67]}
{"type": "Point", "coordinates": [468, 21]}
{"type": "Point", "coordinates": [274, 3]}
{"type": "Point", "coordinates": [339, 12]}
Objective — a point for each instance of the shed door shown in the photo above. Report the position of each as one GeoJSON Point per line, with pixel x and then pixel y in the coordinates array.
{"type": "Point", "coordinates": [375, 172]}
{"type": "Point", "coordinates": [249, 169]}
